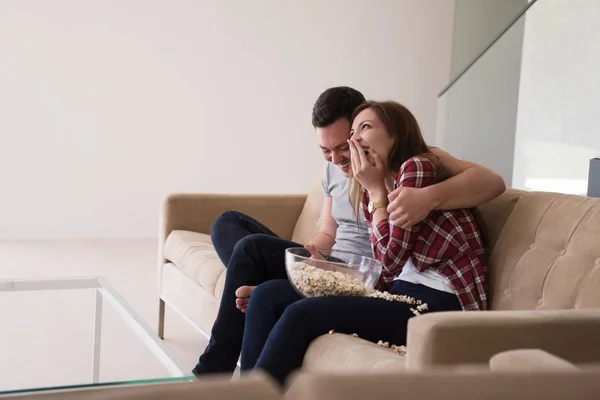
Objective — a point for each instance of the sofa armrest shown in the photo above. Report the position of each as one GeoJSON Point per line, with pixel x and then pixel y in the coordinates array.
{"type": "Point", "coordinates": [473, 337]}
{"type": "Point", "coordinates": [197, 212]}
{"type": "Point", "coordinates": [529, 360]}
{"type": "Point", "coordinates": [475, 385]}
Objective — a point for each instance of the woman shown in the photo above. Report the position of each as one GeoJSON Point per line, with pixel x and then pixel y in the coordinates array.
{"type": "Point", "coordinates": [439, 261]}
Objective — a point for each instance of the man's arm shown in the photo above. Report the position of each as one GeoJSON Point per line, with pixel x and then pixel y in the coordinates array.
{"type": "Point", "coordinates": [325, 239]}
{"type": "Point", "coordinates": [471, 186]}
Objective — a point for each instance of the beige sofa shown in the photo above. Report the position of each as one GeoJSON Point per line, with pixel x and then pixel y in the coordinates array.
{"type": "Point", "coordinates": [475, 385]}
{"type": "Point", "coordinates": [544, 272]}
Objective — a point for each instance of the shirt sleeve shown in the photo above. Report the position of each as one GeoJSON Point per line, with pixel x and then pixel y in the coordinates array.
{"type": "Point", "coordinates": [325, 180]}
{"type": "Point", "coordinates": [392, 245]}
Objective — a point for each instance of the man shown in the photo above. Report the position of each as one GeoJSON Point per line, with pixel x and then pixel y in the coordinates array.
{"type": "Point", "coordinates": [254, 254]}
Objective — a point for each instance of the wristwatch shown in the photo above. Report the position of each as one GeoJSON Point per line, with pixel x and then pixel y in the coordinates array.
{"type": "Point", "coordinates": [374, 206]}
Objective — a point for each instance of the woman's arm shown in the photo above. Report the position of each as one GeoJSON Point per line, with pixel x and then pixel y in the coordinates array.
{"type": "Point", "coordinates": [392, 245]}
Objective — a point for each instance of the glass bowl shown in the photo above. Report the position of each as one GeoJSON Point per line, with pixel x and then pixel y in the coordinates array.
{"type": "Point", "coordinates": [337, 273]}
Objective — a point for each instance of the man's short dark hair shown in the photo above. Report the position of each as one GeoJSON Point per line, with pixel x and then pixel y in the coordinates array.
{"type": "Point", "coordinates": [335, 103]}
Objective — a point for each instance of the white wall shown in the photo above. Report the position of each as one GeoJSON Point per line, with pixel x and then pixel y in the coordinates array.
{"type": "Point", "coordinates": [107, 105]}
{"type": "Point", "coordinates": [558, 128]}
{"type": "Point", "coordinates": [478, 114]}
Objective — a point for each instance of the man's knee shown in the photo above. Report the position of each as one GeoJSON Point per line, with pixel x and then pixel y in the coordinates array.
{"type": "Point", "coordinates": [224, 219]}
{"type": "Point", "coordinates": [254, 242]}
{"type": "Point", "coordinates": [248, 249]}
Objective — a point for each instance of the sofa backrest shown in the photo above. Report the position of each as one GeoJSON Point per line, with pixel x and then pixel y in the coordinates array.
{"type": "Point", "coordinates": [545, 253]}
{"type": "Point", "coordinates": [310, 217]}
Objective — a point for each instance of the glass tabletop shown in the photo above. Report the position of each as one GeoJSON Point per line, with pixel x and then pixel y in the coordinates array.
{"type": "Point", "coordinates": [77, 332]}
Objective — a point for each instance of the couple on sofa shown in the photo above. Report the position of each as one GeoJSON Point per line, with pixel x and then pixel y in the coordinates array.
{"type": "Point", "coordinates": [409, 205]}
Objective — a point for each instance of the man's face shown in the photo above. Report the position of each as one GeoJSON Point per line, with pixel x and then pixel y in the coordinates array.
{"type": "Point", "coordinates": [333, 140]}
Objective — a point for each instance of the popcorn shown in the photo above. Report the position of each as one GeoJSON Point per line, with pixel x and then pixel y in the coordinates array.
{"type": "Point", "coordinates": [400, 350]}
{"type": "Point", "coordinates": [355, 334]}
{"type": "Point", "coordinates": [383, 344]}
{"type": "Point", "coordinates": [400, 298]}
{"type": "Point", "coordinates": [316, 282]}
{"type": "Point", "coordinates": [331, 332]}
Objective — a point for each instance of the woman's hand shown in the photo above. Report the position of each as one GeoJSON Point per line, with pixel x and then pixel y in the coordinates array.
{"type": "Point", "coordinates": [369, 174]}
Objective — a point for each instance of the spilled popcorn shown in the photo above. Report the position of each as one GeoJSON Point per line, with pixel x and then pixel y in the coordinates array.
{"type": "Point", "coordinates": [402, 299]}
{"type": "Point", "coordinates": [400, 350]}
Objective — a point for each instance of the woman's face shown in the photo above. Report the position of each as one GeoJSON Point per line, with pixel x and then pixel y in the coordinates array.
{"type": "Point", "coordinates": [370, 133]}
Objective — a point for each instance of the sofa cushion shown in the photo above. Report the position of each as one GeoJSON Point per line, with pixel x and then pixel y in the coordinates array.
{"type": "Point", "coordinates": [547, 256]}
{"type": "Point", "coordinates": [194, 254]}
{"type": "Point", "coordinates": [345, 353]}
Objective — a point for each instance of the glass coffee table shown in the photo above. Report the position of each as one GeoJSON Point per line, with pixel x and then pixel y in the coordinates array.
{"type": "Point", "coordinates": [77, 332]}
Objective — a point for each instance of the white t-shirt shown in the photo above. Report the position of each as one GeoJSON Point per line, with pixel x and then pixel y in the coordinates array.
{"type": "Point", "coordinates": [430, 277]}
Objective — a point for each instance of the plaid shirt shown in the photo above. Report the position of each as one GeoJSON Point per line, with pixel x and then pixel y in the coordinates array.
{"type": "Point", "coordinates": [448, 241]}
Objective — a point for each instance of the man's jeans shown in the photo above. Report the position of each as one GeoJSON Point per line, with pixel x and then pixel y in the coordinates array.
{"type": "Point", "coordinates": [252, 254]}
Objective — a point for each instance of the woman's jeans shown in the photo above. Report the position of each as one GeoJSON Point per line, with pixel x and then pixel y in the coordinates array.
{"type": "Point", "coordinates": [253, 254]}
{"type": "Point", "coordinates": [280, 326]}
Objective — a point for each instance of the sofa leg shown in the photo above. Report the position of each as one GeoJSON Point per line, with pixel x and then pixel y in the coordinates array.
{"type": "Point", "coordinates": [161, 318]}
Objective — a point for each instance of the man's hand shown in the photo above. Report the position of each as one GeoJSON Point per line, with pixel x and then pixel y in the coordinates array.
{"type": "Point", "coordinates": [409, 206]}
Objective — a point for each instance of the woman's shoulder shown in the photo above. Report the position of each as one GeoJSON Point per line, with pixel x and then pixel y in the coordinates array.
{"type": "Point", "coordinates": [417, 171]}
{"type": "Point", "coordinates": [420, 162]}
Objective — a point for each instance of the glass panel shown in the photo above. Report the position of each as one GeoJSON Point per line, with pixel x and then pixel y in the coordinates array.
{"type": "Point", "coordinates": [558, 125]}
{"type": "Point", "coordinates": [528, 107]}
{"type": "Point", "coordinates": [47, 341]}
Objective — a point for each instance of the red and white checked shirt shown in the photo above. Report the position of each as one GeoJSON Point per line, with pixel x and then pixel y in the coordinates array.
{"type": "Point", "coordinates": [447, 240]}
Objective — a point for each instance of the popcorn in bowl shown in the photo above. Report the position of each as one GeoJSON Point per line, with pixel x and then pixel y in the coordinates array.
{"type": "Point", "coordinates": [331, 273]}
{"type": "Point", "coordinates": [315, 282]}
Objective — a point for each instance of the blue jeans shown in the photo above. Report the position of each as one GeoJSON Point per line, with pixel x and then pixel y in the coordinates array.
{"type": "Point", "coordinates": [253, 254]}
{"type": "Point", "coordinates": [280, 326]}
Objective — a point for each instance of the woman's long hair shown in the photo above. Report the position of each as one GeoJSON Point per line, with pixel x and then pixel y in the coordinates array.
{"type": "Point", "coordinates": [407, 141]}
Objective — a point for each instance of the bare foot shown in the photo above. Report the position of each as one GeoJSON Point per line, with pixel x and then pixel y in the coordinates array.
{"type": "Point", "coordinates": [243, 297]}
